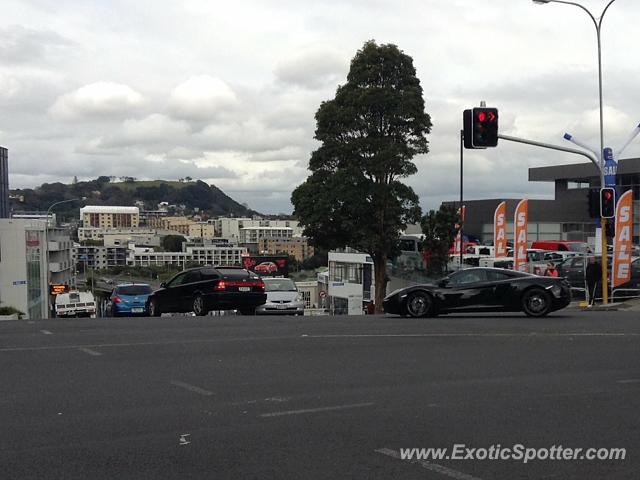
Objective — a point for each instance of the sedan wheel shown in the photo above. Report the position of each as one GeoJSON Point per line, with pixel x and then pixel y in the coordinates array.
{"type": "Point", "coordinates": [536, 303]}
{"type": "Point", "coordinates": [198, 306]}
{"type": "Point", "coordinates": [154, 308]}
{"type": "Point", "coordinates": [419, 304]}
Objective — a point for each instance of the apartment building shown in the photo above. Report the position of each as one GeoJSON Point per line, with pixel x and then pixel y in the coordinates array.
{"type": "Point", "coordinates": [98, 216]}
{"type": "Point", "coordinates": [203, 230]}
{"type": "Point", "coordinates": [98, 257]}
{"type": "Point", "coordinates": [296, 247]}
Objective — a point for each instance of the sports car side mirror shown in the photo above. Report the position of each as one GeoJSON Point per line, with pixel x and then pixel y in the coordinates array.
{"type": "Point", "coordinates": [163, 285]}
{"type": "Point", "coordinates": [444, 282]}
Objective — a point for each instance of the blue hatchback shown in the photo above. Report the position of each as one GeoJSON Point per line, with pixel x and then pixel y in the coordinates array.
{"type": "Point", "coordinates": [129, 299]}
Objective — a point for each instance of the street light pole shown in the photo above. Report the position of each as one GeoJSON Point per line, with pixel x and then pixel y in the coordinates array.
{"type": "Point", "coordinates": [46, 240]}
{"type": "Point", "coordinates": [603, 221]}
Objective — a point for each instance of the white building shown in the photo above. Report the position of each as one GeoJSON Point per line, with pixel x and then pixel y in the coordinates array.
{"type": "Point", "coordinates": [230, 227]}
{"type": "Point", "coordinates": [351, 282]}
{"type": "Point", "coordinates": [23, 272]}
{"type": "Point", "coordinates": [98, 257]}
{"type": "Point", "coordinates": [254, 234]}
{"type": "Point", "coordinates": [202, 254]}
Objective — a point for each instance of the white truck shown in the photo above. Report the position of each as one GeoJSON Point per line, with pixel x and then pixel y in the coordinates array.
{"type": "Point", "coordinates": [75, 304]}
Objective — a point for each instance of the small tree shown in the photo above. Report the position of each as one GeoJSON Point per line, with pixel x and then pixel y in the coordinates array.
{"type": "Point", "coordinates": [440, 229]}
{"type": "Point", "coordinates": [173, 243]}
{"type": "Point", "coordinates": [369, 133]}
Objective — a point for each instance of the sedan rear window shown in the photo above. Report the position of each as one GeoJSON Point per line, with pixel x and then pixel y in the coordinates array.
{"type": "Point", "coordinates": [134, 290]}
{"type": "Point", "coordinates": [234, 273]}
{"type": "Point", "coordinates": [280, 285]}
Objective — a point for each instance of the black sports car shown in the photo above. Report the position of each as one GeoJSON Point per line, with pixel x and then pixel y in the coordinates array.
{"type": "Point", "coordinates": [200, 290]}
{"type": "Point", "coordinates": [482, 290]}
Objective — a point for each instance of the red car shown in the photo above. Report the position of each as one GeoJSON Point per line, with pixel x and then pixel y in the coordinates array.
{"type": "Point", "coordinates": [266, 267]}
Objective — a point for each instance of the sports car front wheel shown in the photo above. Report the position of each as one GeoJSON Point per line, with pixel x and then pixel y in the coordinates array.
{"type": "Point", "coordinates": [419, 304]}
{"type": "Point", "coordinates": [536, 302]}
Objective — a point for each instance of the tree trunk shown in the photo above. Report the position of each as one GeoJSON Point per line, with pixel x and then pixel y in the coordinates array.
{"type": "Point", "coordinates": [381, 280]}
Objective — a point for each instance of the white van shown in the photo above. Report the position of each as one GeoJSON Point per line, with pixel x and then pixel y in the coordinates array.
{"type": "Point", "coordinates": [75, 304]}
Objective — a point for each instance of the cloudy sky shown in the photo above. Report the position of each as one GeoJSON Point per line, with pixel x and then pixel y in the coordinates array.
{"type": "Point", "coordinates": [227, 91]}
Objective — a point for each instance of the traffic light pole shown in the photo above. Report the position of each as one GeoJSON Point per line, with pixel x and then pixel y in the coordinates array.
{"type": "Point", "coordinates": [461, 196]}
{"type": "Point", "coordinates": [603, 221]}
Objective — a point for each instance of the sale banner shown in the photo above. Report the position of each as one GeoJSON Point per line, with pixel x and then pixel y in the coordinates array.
{"type": "Point", "coordinates": [500, 230]}
{"type": "Point", "coordinates": [520, 225]}
{"type": "Point", "coordinates": [622, 244]}
{"type": "Point", "coordinates": [457, 244]}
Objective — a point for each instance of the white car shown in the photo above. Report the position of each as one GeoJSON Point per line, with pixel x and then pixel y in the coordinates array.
{"type": "Point", "coordinates": [283, 298]}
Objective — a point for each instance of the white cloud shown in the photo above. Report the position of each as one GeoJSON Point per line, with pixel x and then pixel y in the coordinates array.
{"type": "Point", "coordinates": [202, 97]}
{"type": "Point", "coordinates": [97, 100]}
{"type": "Point", "coordinates": [313, 69]}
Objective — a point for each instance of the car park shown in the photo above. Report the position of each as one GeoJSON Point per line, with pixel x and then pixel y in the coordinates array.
{"type": "Point", "coordinates": [129, 299]}
{"type": "Point", "coordinates": [203, 289]}
{"type": "Point", "coordinates": [482, 290]}
{"type": "Point", "coordinates": [283, 298]}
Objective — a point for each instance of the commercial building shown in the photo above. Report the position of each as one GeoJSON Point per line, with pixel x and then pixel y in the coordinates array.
{"type": "Point", "coordinates": [23, 267]}
{"type": "Point", "coordinates": [4, 183]}
{"type": "Point", "coordinates": [566, 217]}
{"type": "Point", "coordinates": [177, 224]}
{"type": "Point", "coordinates": [254, 234]}
{"type": "Point", "coordinates": [99, 216]}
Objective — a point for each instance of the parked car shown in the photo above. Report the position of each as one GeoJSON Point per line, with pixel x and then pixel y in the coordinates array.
{"type": "Point", "coordinates": [562, 245]}
{"type": "Point", "coordinates": [482, 290]}
{"type": "Point", "coordinates": [283, 298]}
{"type": "Point", "coordinates": [200, 290]}
{"type": "Point", "coordinates": [129, 299]}
{"type": "Point", "coordinates": [266, 268]}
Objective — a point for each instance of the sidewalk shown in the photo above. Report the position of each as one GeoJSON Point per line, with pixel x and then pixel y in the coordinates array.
{"type": "Point", "coordinates": [632, 305]}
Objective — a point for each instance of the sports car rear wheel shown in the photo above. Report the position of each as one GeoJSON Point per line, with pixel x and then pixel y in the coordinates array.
{"type": "Point", "coordinates": [419, 304]}
{"type": "Point", "coordinates": [536, 302]}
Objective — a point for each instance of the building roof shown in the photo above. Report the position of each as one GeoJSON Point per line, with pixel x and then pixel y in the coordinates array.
{"type": "Point", "coordinates": [108, 209]}
{"type": "Point", "coordinates": [579, 171]}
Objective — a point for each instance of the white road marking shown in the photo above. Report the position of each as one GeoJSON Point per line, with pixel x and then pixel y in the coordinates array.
{"type": "Point", "coordinates": [631, 380]}
{"type": "Point", "coordinates": [289, 337]}
{"type": "Point", "coordinates": [191, 388]}
{"type": "Point", "coordinates": [46, 332]}
{"type": "Point", "coordinates": [314, 410]}
{"type": "Point", "coordinates": [89, 351]}
{"type": "Point", "coordinates": [183, 439]}
{"type": "Point", "coordinates": [434, 467]}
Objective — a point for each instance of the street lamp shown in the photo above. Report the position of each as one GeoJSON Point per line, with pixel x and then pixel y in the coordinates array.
{"type": "Point", "coordinates": [603, 222]}
{"type": "Point", "coordinates": [46, 240]}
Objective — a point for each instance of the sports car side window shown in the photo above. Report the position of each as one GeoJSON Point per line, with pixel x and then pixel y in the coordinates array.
{"type": "Point", "coordinates": [463, 278]}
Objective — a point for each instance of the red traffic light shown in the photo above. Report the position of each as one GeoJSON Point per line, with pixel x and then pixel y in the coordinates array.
{"type": "Point", "coordinates": [607, 194]}
{"type": "Point", "coordinates": [482, 116]}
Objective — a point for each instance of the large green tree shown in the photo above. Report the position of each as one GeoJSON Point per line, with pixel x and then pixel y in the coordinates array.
{"type": "Point", "coordinates": [440, 228]}
{"type": "Point", "coordinates": [369, 134]}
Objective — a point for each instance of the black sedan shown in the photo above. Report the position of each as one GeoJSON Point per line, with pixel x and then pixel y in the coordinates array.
{"type": "Point", "coordinates": [482, 290]}
{"type": "Point", "coordinates": [200, 290]}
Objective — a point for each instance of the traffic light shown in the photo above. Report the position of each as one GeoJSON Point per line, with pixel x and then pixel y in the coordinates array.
{"type": "Point", "coordinates": [480, 127]}
{"type": "Point", "coordinates": [607, 202]}
{"type": "Point", "coordinates": [594, 208]}
{"type": "Point", "coordinates": [610, 229]}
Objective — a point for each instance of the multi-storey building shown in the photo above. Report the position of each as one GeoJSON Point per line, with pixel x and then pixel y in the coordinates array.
{"type": "Point", "coordinates": [205, 231]}
{"type": "Point", "coordinates": [177, 224]}
{"type": "Point", "coordinates": [230, 227]}
{"type": "Point", "coordinates": [152, 218]}
{"type": "Point", "coordinates": [4, 183]}
{"type": "Point", "coordinates": [98, 257]}
{"type": "Point", "coordinates": [202, 254]}
{"type": "Point", "coordinates": [98, 216]}
{"type": "Point", "coordinates": [296, 247]}
{"type": "Point", "coordinates": [23, 267]}
{"type": "Point", "coordinates": [254, 234]}
{"type": "Point", "coordinates": [101, 233]}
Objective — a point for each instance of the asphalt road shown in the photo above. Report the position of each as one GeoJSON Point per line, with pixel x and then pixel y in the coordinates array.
{"type": "Point", "coordinates": [316, 397]}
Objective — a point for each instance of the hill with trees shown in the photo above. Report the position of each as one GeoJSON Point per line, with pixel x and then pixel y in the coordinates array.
{"type": "Point", "coordinates": [195, 196]}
